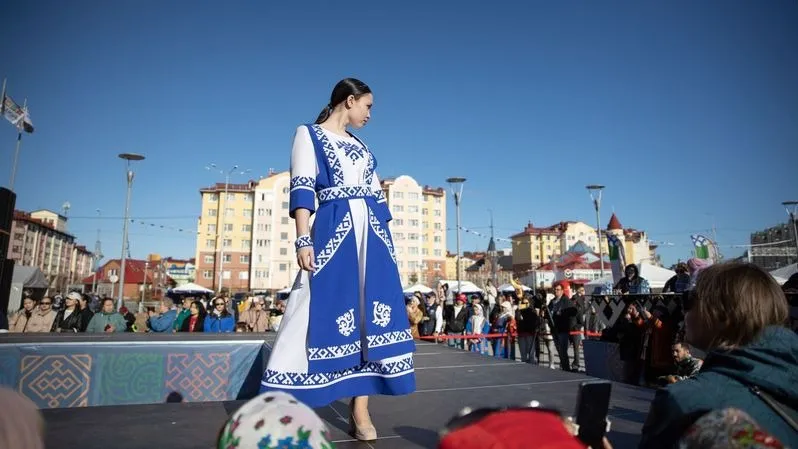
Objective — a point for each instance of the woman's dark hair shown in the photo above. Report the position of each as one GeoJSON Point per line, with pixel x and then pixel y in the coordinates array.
{"type": "Point", "coordinates": [342, 91]}
{"type": "Point", "coordinates": [200, 308]}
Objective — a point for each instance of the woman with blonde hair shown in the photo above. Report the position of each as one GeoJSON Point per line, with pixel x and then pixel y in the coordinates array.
{"type": "Point", "coordinates": [736, 314]}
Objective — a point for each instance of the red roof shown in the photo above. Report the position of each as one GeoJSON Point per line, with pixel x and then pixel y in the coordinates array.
{"type": "Point", "coordinates": [134, 272]}
{"type": "Point", "coordinates": [554, 229]}
{"type": "Point", "coordinates": [614, 224]}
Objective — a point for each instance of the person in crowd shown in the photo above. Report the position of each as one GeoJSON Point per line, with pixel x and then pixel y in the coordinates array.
{"type": "Point", "coordinates": [276, 315]}
{"type": "Point", "coordinates": [86, 314]}
{"type": "Point", "coordinates": [505, 324]}
{"type": "Point", "coordinates": [21, 423]}
{"type": "Point", "coordinates": [433, 314]}
{"type": "Point", "coordinates": [728, 428]}
{"type": "Point", "coordinates": [629, 337]}
{"type": "Point", "coordinates": [456, 317]}
{"type": "Point", "coordinates": [477, 325]}
{"type": "Point", "coordinates": [658, 336]}
{"type": "Point", "coordinates": [130, 319]}
{"type": "Point", "coordinates": [545, 337]}
{"type": "Point", "coordinates": [680, 281]}
{"type": "Point", "coordinates": [695, 266]}
{"type": "Point", "coordinates": [632, 283]}
{"type": "Point", "coordinates": [19, 322]}
{"type": "Point", "coordinates": [491, 295]}
{"type": "Point", "coordinates": [567, 316]}
{"type": "Point", "coordinates": [274, 419]}
{"type": "Point", "coordinates": [164, 319]}
{"type": "Point", "coordinates": [528, 322]}
{"type": "Point", "coordinates": [41, 318]}
{"type": "Point", "coordinates": [256, 318]}
{"type": "Point", "coordinates": [414, 314]}
{"type": "Point", "coordinates": [736, 314]}
{"type": "Point", "coordinates": [185, 312]}
{"type": "Point", "coordinates": [195, 322]}
{"type": "Point", "coordinates": [219, 319]}
{"type": "Point", "coordinates": [107, 320]}
{"type": "Point", "coordinates": [69, 319]}
{"type": "Point", "coordinates": [686, 365]}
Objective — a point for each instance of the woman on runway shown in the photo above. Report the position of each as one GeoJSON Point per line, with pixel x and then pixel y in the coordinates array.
{"type": "Point", "coordinates": [345, 332]}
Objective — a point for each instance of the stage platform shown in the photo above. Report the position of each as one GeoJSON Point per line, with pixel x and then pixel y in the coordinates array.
{"type": "Point", "coordinates": [447, 380]}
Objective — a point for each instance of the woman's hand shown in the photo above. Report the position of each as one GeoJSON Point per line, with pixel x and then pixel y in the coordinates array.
{"type": "Point", "coordinates": [305, 258]}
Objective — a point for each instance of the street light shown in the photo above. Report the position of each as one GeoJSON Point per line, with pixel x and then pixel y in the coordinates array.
{"type": "Point", "coordinates": [792, 213]}
{"type": "Point", "coordinates": [595, 195]}
{"type": "Point", "coordinates": [96, 257]}
{"type": "Point", "coordinates": [128, 157]}
{"type": "Point", "coordinates": [213, 167]}
{"type": "Point", "coordinates": [456, 184]}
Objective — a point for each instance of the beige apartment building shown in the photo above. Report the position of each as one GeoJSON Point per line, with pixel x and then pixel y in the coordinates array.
{"type": "Point", "coordinates": [40, 239]}
{"type": "Point", "coordinates": [273, 263]}
{"type": "Point", "coordinates": [418, 229]}
{"type": "Point", "coordinates": [224, 237]}
{"type": "Point", "coordinates": [536, 246]}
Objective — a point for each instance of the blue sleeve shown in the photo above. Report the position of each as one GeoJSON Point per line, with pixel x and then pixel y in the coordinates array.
{"type": "Point", "coordinates": [228, 324]}
{"type": "Point", "coordinates": [303, 173]}
{"type": "Point", "coordinates": [206, 327]}
{"type": "Point", "coordinates": [163, 323]}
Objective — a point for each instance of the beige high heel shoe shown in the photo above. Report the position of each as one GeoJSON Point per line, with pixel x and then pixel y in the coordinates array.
{"type": "Point", "coordinates": [365, 433]}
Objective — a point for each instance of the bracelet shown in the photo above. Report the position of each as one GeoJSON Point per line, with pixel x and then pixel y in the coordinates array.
{"type": "Point", "coordinates": [303, 241]}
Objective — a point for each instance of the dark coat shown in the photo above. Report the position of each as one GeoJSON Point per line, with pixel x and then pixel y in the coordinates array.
{"type": "Point", "coordinates": [769, 363]}
{"type": "Point", "coordinates": [72, 323]}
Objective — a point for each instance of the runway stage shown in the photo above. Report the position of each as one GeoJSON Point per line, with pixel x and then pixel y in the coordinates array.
{"type": "Point", "coordinates": [447, 380]}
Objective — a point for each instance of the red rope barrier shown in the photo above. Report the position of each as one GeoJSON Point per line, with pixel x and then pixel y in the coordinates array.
{"type": "Point", "coordinates": [504, 335]}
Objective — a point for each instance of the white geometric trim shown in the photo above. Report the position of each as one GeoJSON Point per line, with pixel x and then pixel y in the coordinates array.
{"type": "Point", "coordinates": [345, 350]}
{"type": "Point", "coordinates": [375, 226]}
{"type": "Point", "coordinates": [344, 192]}
{"type": "Point", "coordinates": [329, 153]}
{"type": "Point", "coordinates": [334, 243]}
{"type": "Point", "coordinates": [393, 368]}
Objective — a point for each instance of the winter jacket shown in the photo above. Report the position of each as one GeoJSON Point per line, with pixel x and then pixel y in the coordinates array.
{"type": "Point", "coordinates": [73, 323]}
{"type": "Point", "coordinates": [163, 322]}
{"type": "Point", "coordinates": [40, 322]}
{"type": "Point", "coordinates": [19, 322]}
{"type": "Point", "coordinates": [769, 363]}
{"type": "Point", "coordinates": [181, 317]}
{"type": "Point", "coordinates": [100, 320]}
{"type": "Point", "coordinates": [215, 323]}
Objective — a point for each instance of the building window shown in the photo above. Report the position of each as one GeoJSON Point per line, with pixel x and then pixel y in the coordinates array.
{"type": "Point", "coordinates": [228, 258]}
{"type": "Point", "coordinates": [438, 199]}
{"type": "Point", "coordinates": [209, 259]}
{"type": "Point", "coordinates": [286, 190]}
{"type": "Point", "coordinates": [228, 243]}
{"type": "Point", "coordinates": [398, 222]}
{"type": "Point", "coordinates": [211, 229]}
{"type": "Point", "coordinates": [398, 208]}
{"type": "Point", "coordinates": [437, 212]}
{"type": "Point", "coordinates": [207, 274]}
{"type": "Point", "coordinates": [284, 220]}
{"type": "Point", "coordinates": [283, 251]}
{"type": "Point", "coordinates": [228, 227]}
{"type": "Point", "coordinates": [437, 266]}
{"type": "Point", "coordinates": [412, 196]}
{"type": "Point", "coordinates": [438, 226]}
{"type": "Point", "coordinates": [246, 228]}
{"type": "Point", "coordinates": [412, 236]}
{"type": "Point", "coordinates": [414, 223]}
{"type": "Point", "coordinates": [413, 251]}
{"type": "Point", "coordinates": [231, 196]}
{"type": "Point", "coordinates": [399, 236]}
{"type": "Point", "coordinates": [226, 275]}
{"type": "Point", "coordinates": [285, 205]}
{"type": "Point", "coordinates": [283, 267]}
{"type": "Point", "coordinates": [244, 258]}
{"type": "Point", "coordinates": [213, 197]}
{"type": "Point", "coordinates": [209, 243]}
{"type": "Point", "coordinates": [211, 212]}
{"type": "Point", "coordinates": [437, 252]}
{"type": "Point", "coordinates": [247, 213]}
{"type": "Point", "coordinates": [424, 252]}
{"type": "Point", "coordinates": [412, 209]}
{"type": "Point", "coordinates": [248, 197]}
{"type": "Point", "coordinates": [398, 195]}
{"type": "Point", "coordinates": [283, 236]}
{"type": "Point", "coordinates": [246, 244]}
{"type": "Point", "coordinates": [436, 239]}
{"type": "Point", "coordinates": [425, 211]}
{"type": "Point", "coordinates": [243, 275]}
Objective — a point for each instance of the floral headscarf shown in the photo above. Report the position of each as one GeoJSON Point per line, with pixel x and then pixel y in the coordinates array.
{"type": "Point", "coordinates": [727, 429]}
{"type": "Point", "coordinates": [275, 420]}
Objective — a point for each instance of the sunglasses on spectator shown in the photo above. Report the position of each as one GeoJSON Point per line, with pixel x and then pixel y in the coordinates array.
{"type": "Point", "coordinates": [219, 304]}
{"type": "Point", "coordinates": [468, 416]}
{"type": "Point", "coordinates": [45, 303]}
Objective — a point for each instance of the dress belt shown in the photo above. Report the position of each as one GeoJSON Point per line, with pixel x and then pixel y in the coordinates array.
{"type": "Point", "coordinates": [345, 192]}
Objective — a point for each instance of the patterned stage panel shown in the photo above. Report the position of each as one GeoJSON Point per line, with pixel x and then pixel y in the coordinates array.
{"type": "Point", "coordinates": [129, 378]}
{"type": "Point", "coordinates": [60, 380]}
{"type": "Point", "coordinates": [9, 367]}
{"type": "Point", "coordinates": [198, 376]}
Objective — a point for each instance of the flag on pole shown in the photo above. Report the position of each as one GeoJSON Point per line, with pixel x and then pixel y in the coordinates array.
{"type": "Point", "coordinates": [16, 114]}
{"type": "Point", "coordinates": [705, 248]}
{"type": "Point", "coordinates": [617, 257]}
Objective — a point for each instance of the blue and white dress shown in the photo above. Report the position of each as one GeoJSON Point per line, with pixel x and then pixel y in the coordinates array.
{"type": "Point", "coordinates": [345, 330]}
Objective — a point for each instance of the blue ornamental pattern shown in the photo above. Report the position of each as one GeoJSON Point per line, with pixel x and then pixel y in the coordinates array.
{"type": "Point", "coordinates": [352, 151]}
{"type": "Point", "coordinates": [374, 341]}
{"type": "Point", "coordinates": [344, 192]}
{"type": "Point", "coordinates": [369, 172]}
{"type": "Point", "coordinates": [303, 182]}
{"type": "Point", "coordinates": [382, 234]}
{"type": "Point", "coordinates": [329, 153]}
{"type": "Point", "coordinates": [341, 231]}
{"type": "Point", "coordinates": [394, 368]}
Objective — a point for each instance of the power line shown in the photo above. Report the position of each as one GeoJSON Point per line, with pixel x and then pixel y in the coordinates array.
{"type": "Point", "coordinates": [175, 217]}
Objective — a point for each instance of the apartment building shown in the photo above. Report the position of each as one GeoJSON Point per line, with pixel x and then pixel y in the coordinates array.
{"type": "Point", "coordinates": [224, 237]}
{"type": "Point", "coordinates": [418, 228]}
{"type": "Point", "coordinates": [536, 246]}
{"type": "Point", "coordinates": [273, 263]}
{"type": "Point", "coordinates": [40, 239]}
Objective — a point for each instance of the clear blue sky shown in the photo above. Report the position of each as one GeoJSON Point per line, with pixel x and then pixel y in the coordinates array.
{"type": "Point", "coordinates": [687, 111]}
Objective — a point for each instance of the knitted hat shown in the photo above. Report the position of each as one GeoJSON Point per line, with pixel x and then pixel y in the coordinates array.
{"type": "Point", "coordinates": [274, 419]}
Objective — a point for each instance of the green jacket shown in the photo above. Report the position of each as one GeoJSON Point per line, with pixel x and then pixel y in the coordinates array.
{"type": "Point", "coordinates": [101, 319]}
{"type": "Point", "coordinates": [770, 363]}
{"type": "Point", "coordinates": [180, 318]}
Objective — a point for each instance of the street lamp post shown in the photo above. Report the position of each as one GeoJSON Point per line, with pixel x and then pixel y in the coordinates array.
{"type": "Point", "coordinates": [456, 184]}
{"type": "Point", "coordinates": [792, 213]}
{"type": "Point", "coordinates": [144, 286]}
{"type": "Point", "coordinates": [128, 157]}
{"type": "Point", "coordinates": [224, 215]}
{"type": "Point", "coordinates": [595, 195]}
{"type": "Point", "coordinates": [96, 257]}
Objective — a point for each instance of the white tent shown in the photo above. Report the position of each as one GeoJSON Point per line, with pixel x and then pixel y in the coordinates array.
{"type": "Point", "coordinates": [656, 277]}
{"type": "Point", "coordinates": [465, 286]}
{"type": "Point", "coordinates": [418, 288]}
{"type": "Point", "coordinates": [785, 272]}
{"type": "Point", "coordinates": [191, 289]}
{"type": "Point", "coordinates": [25, 278]}
{"type": "Point", "coordinates": [510, 289]}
